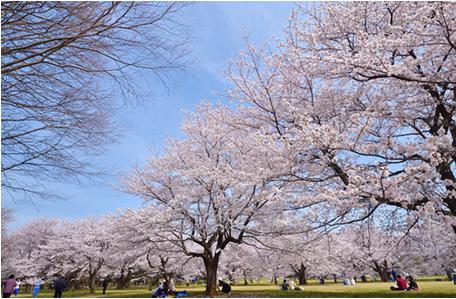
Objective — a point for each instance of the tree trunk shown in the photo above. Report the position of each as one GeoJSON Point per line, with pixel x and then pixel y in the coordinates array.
{"type": "Point", "coordinates": [300, 271]}
{"type": "Point", "coordinates": [449, 274]}
{"type": "Point", "coordinates": [123, 282]}
{"type": "Point", "coordinates": [211, 265]}
{"type": "Point", "coordinates": [245, 278]}
{"type": "Point", "coordinates": [92, 283]}
{"type": "Point", "coordinates": [335, 278]}
{"type": "Point", "coordinates": [152, 283]}
{"type": "Point", "coordinates": [382, 270]}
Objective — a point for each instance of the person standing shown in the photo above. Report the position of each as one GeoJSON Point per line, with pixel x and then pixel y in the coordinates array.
{"type": "Point", "coordinates": [36, 288]}
{"type": "Point", "coordinates": [454, 276]}
{"type": "Point", "coordinates": [9, 286]}
{"type": "Point", "coordinates": [105, 284]}
{"type": "Point", "coordinates": [59, 286]}
{"type": "Point", "coordinates": [16, 289]}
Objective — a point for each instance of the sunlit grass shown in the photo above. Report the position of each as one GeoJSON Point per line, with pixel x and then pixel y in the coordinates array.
{"type": "Point", "coordinates": [370, 289]}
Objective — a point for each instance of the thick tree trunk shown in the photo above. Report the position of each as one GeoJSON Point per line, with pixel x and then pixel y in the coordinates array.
{"type": "Point", "coordinates": [211, 265]}
{"type": "Point", "coordinates": [382, 270]}
{"type": "Point", "coordinates": [301, 272]}
{"type": "Point", "coordinates": [335, 278]}
{"type": "Point", "coordinates": [92, 283]}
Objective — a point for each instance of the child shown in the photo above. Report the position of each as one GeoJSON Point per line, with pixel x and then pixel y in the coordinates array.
{"type": "Point", "coordinates": [16, 289]}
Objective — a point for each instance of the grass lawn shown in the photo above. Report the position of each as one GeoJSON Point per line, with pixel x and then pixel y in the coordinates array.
{"type": "Point", "coordinates": [370, 289]}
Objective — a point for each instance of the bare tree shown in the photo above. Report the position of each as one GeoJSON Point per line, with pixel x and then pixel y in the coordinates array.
{"type": "Point", "coordinates": [66, 67]}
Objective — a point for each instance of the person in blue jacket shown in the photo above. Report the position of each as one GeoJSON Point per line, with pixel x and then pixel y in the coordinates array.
{"type": "Point", "coordinates": [36, 288]}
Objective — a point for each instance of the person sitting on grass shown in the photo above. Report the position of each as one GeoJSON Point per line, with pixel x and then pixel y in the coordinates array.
{"type": "Point", "coordinates": [284, 285]}
{"type": "Point", "coordinates": [105, 284]}
{"type": "Point", "coordinates": [181, 294]}
{"type": "Point", "coordinates": [393, 274]}
{"type": "Point", "coordinates": [171, 287]}
{"type": "Point", "coordinates": [161, 291]}
{"type": "Point", "coordinates": [401, 284]}
{"type": "Point", "coordinates": [292, 286]}
{"type": "Point", "coordinates": [226, 288]}
{"type": "Point", "coordinates": [412, 285]}
{"type": "Point", "coordinates": [9, 286]}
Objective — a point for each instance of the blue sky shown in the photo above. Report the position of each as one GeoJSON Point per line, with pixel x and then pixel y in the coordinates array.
{"type": "Point", "coordinates": [218, 29]}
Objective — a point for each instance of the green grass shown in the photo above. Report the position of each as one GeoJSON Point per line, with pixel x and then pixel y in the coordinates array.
{"type": "Point", "coordinates": [370, 289]}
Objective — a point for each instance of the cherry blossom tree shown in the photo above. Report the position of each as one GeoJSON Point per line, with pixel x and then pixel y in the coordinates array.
{"type": "Point", "coordinates": [431, 249]}
{"type": "Point", "coordinates": [273, 264]}
{"type": "Point", "coordinates": [302, 254]}
{"type": "Point", "coordinates": [360, 97]}
{"type": "Point", "coordinates": [336, 157]}
{"type": "Point", "coordinates": [129, 263]}
{"type": "Point", "coordinates": [370, 249]}
{"type": "Point", "coordinates": [127, 258]}
{"type": "Point", "coordinates": [201, 192]}
{"type": "Point", "coordinates": [28, 248]}
{"type": "Point", "coordinates": [241, 261]}
{"type": "Point", "coordinates": [7, 217]}
{"type": "Point", "coordinates": [82, 248]}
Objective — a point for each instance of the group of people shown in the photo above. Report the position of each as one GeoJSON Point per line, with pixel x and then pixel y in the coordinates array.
{"type": "Point", "coordinates": [11, 286]}
{"type": "Point", "coordinates": [349, 282]}
{"type": "Point", "coordinates": [167, 289]}
{"type": "Point", "coordinates": [402, 284]}
{"type": "Point", "coordinates": [290, 285]}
